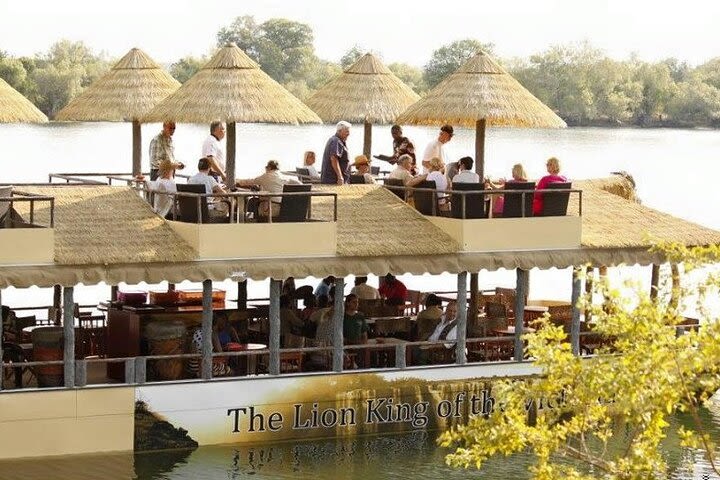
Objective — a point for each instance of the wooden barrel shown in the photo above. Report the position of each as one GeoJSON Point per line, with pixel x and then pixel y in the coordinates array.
{"type": "Point", "coordinates": [47, 346]}
{"type": "Point", "coordinates": [166, 338]}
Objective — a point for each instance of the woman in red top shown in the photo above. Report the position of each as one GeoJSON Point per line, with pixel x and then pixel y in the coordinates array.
{"type": "Point", "coordinates": [553, 168]}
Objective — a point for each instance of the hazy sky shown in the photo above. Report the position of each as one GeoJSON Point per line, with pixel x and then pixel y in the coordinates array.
{"type": "Point", "coordinates": [400, 30]}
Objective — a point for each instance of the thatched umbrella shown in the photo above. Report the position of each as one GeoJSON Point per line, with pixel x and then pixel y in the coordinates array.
{"type": "Point", "coordinates": [14, 108]}
{"type": "Point", "coordinates": [481, 93]}
{"type": "Point", "coordinates": [133, 87]}
{"type": "Point", "coordinates": [232, 88]}
{"type": "Point", "coordinates": [367, 92]}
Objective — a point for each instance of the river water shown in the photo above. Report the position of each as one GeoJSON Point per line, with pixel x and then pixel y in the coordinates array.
{"type": "Point", "coordinates": [673, 170]}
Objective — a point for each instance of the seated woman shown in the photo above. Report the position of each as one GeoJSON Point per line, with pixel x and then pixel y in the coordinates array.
{"type": "Point", "coordinates": [436, 174]}
{"type": "Point", "coordinates": [309, 163]}
{"type": "Point", "coordinates": [220, 365]}
{"type": "Point", "coordinates": [225, 332]}
{"type": "Point", "coordinates": [518, 175]}
{"type": "Point", "coordinates": [289, 320]}
{"type": "Point", "coordinates": [362, 165]}
{"type": "Point", "coordinates": [553, 168]}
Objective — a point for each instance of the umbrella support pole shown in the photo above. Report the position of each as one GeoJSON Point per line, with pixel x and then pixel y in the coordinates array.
{"type": "Point", "coordinates": [480, 148]}
{"type": "Point", "coordinates": [137, 148]}
{"type": "Point", "coordinates": [367, 142]}
{"type": "Point", "coordinates": [230, 164]}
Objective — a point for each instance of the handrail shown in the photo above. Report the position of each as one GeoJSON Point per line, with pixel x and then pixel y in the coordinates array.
{"type": "Point", "coordinates": [26, 197]}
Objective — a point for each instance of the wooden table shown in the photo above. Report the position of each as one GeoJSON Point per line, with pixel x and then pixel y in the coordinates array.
{"type": "Point", "coordinates": [250, 360]}
{"type": "Point", "coordinates": [389, 352]}
{"type": "Point", "coordinates": [533, 312]}
{"type": "Point", "coordinates": [510, 331]}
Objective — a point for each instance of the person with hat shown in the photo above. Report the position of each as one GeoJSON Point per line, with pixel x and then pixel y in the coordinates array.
{"type": "Point", "coordinates": [435, 148]}
{"type": "Point", "coordinates": [271, 181]}
{"type": "Point", "coordinates": [362, 165]}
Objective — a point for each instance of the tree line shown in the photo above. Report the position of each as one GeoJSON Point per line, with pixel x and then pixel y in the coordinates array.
{"type": "Point", "coordinates": [579, 82]}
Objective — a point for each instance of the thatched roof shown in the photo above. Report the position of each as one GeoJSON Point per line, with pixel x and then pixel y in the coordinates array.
{"type": "Point", "coordinates": [16, 108]}
{"type": "Point", "coordinates": [106, 225]}
{"type": "Point", "coordinates": [611, 221]}
{"type": "Point", "coordinates": [481, 89]}
{"type": "Point", "coordinates": [372, 221]}
{"type": "Point", "coordinates": [232, 88]}
{"type": "Point", "coordinates": [367, 91]}
{"type": "Point", "coordinates": [133, 87]}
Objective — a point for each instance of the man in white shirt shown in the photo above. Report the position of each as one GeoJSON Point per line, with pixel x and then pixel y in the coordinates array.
{"type": "Point", "coordinates": [447, 328]}
{"type": "Point", "coordinates": [213, 149]}
{"type": "Point", "coordinates": [363, 290]}
{"type": "Point", "coordinates": [271, 181]}
{"type": "Point", "coordinates": [216, 207]}
{"type": "Point", "coordinates": [435, 148]}
{"type": "Point", "coordinates": [466, 175]}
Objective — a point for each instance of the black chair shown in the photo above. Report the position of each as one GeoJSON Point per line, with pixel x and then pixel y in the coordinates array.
{"type": "Point", "coordinates": [357, 179]}
{"type": "Point", "coordinates": [513, 202]}
{"type": "Point", "coordinates": [295, 208]}
{"type": "Point", "coordinates": [374, 170]}
{"type": "Point", "coordinates": [426, 202]}
{"type": "Point", "coordinates": [304, 171]}
{"type": "Point", "coordinates": [13, 353]}
{"type": "Point", "coordinates": [396, 186]}
{"type": "Point", "coordinates": [187, 206]}
{"type": "Point", "coordinates": [555, 203]}
{"type": "Point", "coordinates": [474, 202]}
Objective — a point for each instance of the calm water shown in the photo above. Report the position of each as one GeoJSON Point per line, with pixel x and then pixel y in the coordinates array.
{"type": "Point", "coordinates": [671, 168]}
{"type": "Point", "coordinates": [414, 455]}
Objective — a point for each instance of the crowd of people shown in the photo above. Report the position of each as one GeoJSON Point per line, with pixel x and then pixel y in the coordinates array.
{"type": "Point", "coordinates": [336, 169]}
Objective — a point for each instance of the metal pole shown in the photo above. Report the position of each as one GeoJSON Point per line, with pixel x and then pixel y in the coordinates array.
{"type": "Point", "coordinates": [275, 289]}
{"type": "Point", "coordinates": [230, 161]}
{"type": "Point", "coordinates": [242, 295]}
{"type": "Point", "coordinates": [207, 346]}
{"type": "Point", "coordinates": [480, 148]}
{"type": "Point", "coordinates": [575, 325]}
{"type": "Point", "coordinates": [474, 289]}
{"type": "Point", "coordinates": [654, 281]}
{"type": "Point", "coordinates": [522, 281]}
{"type": "Point", "coordinates": [367, 141]}
{"type": "Point", "coordinates": [461, 338]}
{"type": "Point", "coordinates": [69, 336]}
{"type": "Point", "coordinates": [338, 316]}
{"type": "Point", "coordinates": [136, 148]}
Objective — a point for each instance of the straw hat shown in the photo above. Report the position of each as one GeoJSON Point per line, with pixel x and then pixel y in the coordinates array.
{"type": "Point", "coordinates": [361, 160]}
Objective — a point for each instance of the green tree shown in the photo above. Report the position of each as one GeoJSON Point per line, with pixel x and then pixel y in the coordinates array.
{"type": "Point", "coordinates": [709, 72]}
{"type": "Point", "coordinates": [12, 71]}
{"type": "Point", "coordinates": [412, 76]}
{"type": "Point", "coordinates": [186, 67]}
{"type": "Point", "coordinates": [658, 87]}
{"type": "Point", "coordinates": [611, 409]}
{"type": "Point", "coordinates": [352, 56]}
{"type": "Point", "coordinates": [696, 104]}
{"type": "Point", "coordinates": [244, 32]}
{"type": "Point", "coordinates": [448, 58]}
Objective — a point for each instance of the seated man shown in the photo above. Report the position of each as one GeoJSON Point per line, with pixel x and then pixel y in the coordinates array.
{"type": "Point", "coordinates": [465, 173]}
{"type": "Point", "coordinates": [363, 290]}
{"type": "Point", "coordinates": [216, 206]}
{"type": "Point", "coordinates": [271, 181]}
{"type": "Point", "coordinates": [447, 328]}
{"type": "Point", "coordinates": [428, 319]}
{"type": "Point", "coordinates": [355, 327]}
{"type": "Point", "coordinates": [289, 320]}
{"type": "Point", "coordinates": [403, 172]}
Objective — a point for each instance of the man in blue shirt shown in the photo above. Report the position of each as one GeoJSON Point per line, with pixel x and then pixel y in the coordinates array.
{"type": "Point", "coordinates": [335, 157]}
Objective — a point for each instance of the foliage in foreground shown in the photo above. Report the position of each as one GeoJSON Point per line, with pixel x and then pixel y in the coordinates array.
{"type": "Point", "coordinates": [644, 373]}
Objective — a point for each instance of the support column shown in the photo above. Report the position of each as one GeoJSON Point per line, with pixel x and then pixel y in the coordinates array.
{"type": "Point", "coordinates": [522, 283]}
{"type": "Point", "coordinates": [480, 148]}
{"type": "Point", "coordinates": [207, 320]}
{"type": "Point", "coordinates": [472, 314]}
{"type": "Point", "coordinates": [230, 157]}
{"type": "Point", "coordinates": [113, 293]}
{"type": "Point", "coordinates": [57, 304]}
{"type": "Point", "coordinates": [461, 338]}
{"type": "Point", "coordinates": [242, 295]}
{"type": "Point", "coordinates": [69, 337]}
{"type": "Point", "coordinates": [654, 281]}
{"type": "Point", "coordinates": [367, 141]}
{"type": "Point", "coordinates": [137, 148]}
{"type": "Point", "coordinates": [338, 315]}
{"type": "Point", "coordinates": [274, 330]}
{"type": "Point", "coordinates": [574, 299]}
{"type": "Point", "coordinates": [2, 327]}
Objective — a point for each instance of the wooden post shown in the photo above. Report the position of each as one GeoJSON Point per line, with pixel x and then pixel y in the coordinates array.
{"type": "Point", "coordinates": [57, 304]}
{"type": "Point", "coordinates": [602, 276]}
{"type": "Point", "coordinates": [473, 307]}
{"type": "Point", "coordinates": [675, 292]}
{"type": "Point", "coordinates": [480, 148]}
{"type": "Point", "coordinates": [461, 338]}
{"type": "Point", "coordinates": [136, 148]}
{"type": "Point", "coordinates": [522, 280]}
{"type": "Point", "coordinates": [69, 337]}
{"type": "Point", "coordinates": [338, 316]}
{"type": "Point", "coordinates": [207, 321]}
{"type": "Point", "coordinates": [113, 293]}
{"type": "Point", "coordinates": [367, 140]}
{"type": "Point", "coordinates": [230, 160]}
{"type": "Point", "coordinates": [242, 295]}
{"type": "Point", "coordinates": [654, 281]}
{"type": "Point", "coordinates": [274, 330]}
{"type": "Point", "coordinates": [574, 299]}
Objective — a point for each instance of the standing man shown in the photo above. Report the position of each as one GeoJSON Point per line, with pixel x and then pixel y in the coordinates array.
{"type": "Point", "coordinates": [213, 150]}
{"type": "Point", "coordinates": [401, 146]}
{"type": "Point", "coordinates": [161, 148]}
{"type": "Point", "coordinates": [335, 157]}
{"type": "Point", "coordinates": [435, 148]}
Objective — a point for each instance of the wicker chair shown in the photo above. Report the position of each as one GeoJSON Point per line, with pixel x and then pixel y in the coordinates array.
{"type": "Point", "coordinates": [561, 315]}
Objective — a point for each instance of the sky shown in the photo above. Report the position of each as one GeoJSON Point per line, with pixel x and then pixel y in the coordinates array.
{"type": "Point", "coordinates": [400, 30]}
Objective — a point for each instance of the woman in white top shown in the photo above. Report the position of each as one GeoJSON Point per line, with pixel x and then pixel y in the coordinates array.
{"type": "Point", "coordinates": [436, 168]}
{"type": "Point", "coordinates": [162, 188]}
{"type": "Point", "coordinates": [309, 163]}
